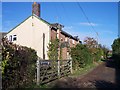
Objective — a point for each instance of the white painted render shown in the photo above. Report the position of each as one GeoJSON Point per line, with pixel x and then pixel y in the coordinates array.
{"type": "Point", "coordinates": [30, 34]}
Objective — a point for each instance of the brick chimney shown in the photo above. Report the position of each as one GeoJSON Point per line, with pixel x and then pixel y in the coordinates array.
{"type": "Point", "coordinates": [36, 9]}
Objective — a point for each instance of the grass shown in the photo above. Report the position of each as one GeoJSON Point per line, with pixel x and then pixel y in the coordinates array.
{"type": "Point", "coordinates": [82, 71]}
{"type": "Point", "coordinates": [85, 70]}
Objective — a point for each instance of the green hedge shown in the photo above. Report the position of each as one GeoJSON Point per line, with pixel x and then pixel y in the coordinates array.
{"type": "Point", "coordinates": [81, 56]}
{"type": "Point", "coordinates": [116, 51]}
{"type": "Point", "coordinates": [18, 65]}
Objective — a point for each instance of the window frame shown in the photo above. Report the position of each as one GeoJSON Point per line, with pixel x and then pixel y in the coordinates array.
{"type": "Point", "coordinates": [14, 37]}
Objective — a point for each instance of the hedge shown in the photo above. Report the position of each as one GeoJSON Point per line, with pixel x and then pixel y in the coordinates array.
{"type": "Point", "coordinates": [18, 65]}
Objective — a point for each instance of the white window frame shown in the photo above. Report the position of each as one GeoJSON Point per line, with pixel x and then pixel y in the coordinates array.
{"type": "Point", "coordinates": [66, 39]}
{"type": "Point", "coordinates": [73, 41]}
{"type": "Point", "coordinates": [14, 36]}
{"type": "Point", "coordinates": [10, 38]}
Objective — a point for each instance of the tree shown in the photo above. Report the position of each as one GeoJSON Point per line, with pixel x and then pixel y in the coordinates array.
{"type": "Point", "coordinates": [80, 56]}
{"type": "Point", "coordinates": [93, 46]}
{"type": "Point", "coordinates": [53, 49]}
{"type": "Point", "coordinates": [116, 46]}
{"type": "Point", "coordinates": [105, 51]}
{"type": "Point", "coordinates": [116, 51]}
{"type": "Point", "coordinates": [90, 42]}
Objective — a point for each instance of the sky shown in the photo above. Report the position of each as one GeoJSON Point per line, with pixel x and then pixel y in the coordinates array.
{"type": "Point", "coordinates": [102, 15]}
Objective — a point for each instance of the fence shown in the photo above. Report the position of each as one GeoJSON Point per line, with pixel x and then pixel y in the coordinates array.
{"type": "Point", "coordinates": [48, 70]}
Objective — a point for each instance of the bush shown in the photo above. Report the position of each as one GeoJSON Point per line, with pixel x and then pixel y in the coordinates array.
{"type": "Point", "coordinates": [18, 65]}
{"type": "Point", "coordinates": [116, 51]}
{"type": "Point", "coordinates": [80, 56]}
{"type": "Point", "coordinates": [97, 55]}
{"type": "Point", "coordinates": [53, 49]}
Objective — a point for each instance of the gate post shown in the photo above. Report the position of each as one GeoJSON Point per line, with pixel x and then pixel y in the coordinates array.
{"type": "Point", "coordinates": [58, 66]}
{"type": "Point", "coordinates": [38, 72]}
{"type": "Point", "coordinates": [71, 66]}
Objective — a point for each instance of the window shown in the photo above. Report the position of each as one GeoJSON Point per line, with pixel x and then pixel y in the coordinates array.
{"type": "Point", "coordinates": [14, 37]}
{"type": "Point", "coordinates": [57, 35]}
{"type": "Point", "coordinates": [10, 37]}
{"type": "Point", "coordinates": [69, 40]}
{"type": "Point", "coordinates": [61, 39]}
{"type": "Point", "coordinates": [73, 41]}
{"type": "Point", "coordinates": [66, 39]}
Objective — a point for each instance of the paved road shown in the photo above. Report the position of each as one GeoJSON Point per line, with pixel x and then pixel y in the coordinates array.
{"type": "Point", "coordinates": [106, 75]}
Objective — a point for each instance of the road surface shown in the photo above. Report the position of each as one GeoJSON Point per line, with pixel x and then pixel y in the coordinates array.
{"type": "Point", "coordinates": [106, 75]}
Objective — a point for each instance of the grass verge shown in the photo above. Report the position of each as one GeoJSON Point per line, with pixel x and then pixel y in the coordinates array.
{"type": "Point", "coordinates": [85, 70]}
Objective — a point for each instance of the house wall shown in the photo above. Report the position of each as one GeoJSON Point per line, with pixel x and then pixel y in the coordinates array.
{"type": "Point", "coordinates": [53, 34]}
{"type": "Point", "coordinates": [64, 50]}
{"type": "Point", "coordinates": [63, 38]}
{"type": "Point", "coordinates": [30, 34]}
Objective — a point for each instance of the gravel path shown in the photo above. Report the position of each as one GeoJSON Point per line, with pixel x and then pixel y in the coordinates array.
{"type": "Point", "coordinates": [106, 75]}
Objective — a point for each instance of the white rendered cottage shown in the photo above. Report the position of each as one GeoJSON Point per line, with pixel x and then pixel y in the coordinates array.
{"type": "Point", "coordinates": [36, 33]}
{"type": "Point", "coordinates": [30, 33]}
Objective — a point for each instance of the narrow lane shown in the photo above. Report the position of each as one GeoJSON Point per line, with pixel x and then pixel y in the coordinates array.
{"type": "Point", "coordinates": [103, 76]}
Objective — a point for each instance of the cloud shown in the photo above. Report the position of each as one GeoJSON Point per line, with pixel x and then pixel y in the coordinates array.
{"type": "Point", "coordinates": [88, 24]}
{"type": "Point", "coordinates": [68, 28]}
{"type": "Point", "coordinates": [80, 34]}
{"type": "Point", "coordinates": [108, 32]}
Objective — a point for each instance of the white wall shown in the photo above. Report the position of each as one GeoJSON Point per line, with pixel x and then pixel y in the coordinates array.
{"type": "Point", "coordinates": [32, 36]}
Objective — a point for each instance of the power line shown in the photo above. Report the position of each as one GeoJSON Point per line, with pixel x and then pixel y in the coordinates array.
{"type": "Point", "coordinates": [65, 12]}
{"type": "Point", "coordinates": [87, 18]}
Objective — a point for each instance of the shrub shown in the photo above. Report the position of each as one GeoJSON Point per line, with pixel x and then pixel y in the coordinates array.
{"type": "Point", "coordinates": [53, 49]}
{"type": "Point", "coordinates": [97, 55]}
{"type": "Point", "coordinates": [116, 51]}
{"type": "Point", "coordinates": [18, 65]}
{"type": "Point", "coordinates": [80, 56]}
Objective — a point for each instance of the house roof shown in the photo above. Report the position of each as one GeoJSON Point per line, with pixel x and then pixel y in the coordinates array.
{"type": "Point", "coordinates": [67, 34]}
{"type": "Point", "coordinates": [29, 17]}
{"type": "Point", "coordinates": [54, 25]}
{"type": "Point", "coordinates": [57, 25]}
{"type": "Point", "coordinates": [42, 19]}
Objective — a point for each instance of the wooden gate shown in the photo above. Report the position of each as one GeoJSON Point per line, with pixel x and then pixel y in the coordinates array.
{"type": "Point", "coordinates": [48, 70]}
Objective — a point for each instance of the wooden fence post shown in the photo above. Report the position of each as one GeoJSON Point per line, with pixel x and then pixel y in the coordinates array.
{"type": "Point", "coordinates": [58, 64]}
{"type": "Point", "coordinates": [71, 66]}
{"type": "Point", "coordinates": [38, 72]}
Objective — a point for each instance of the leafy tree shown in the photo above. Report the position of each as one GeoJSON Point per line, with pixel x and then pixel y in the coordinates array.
{"type": "Point", "coordinates": [93, 46]}
{"type": "Point", "coordinates": [116, 51]}
{"type": "Point", "coordinates": [80, 56]}
{"type": "Point", "coordinates": [90, 42]}
{"type": "Point", "coordinates": [116, 46]}
{"type": "Point", "coordinates": [53, 49]}
{"type": "Point", "coordinates": [105, 51]}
